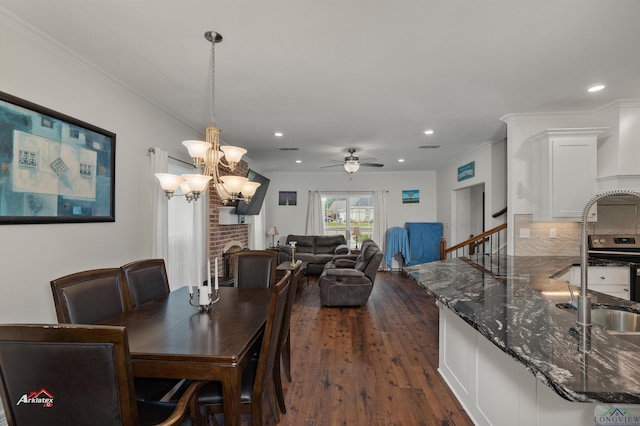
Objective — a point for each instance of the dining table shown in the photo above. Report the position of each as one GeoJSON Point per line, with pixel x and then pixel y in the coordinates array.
{"type": "Point", "coordinates": [169, 338]}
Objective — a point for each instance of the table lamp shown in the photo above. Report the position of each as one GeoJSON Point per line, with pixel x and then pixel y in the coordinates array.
{"type": "Point", "coordinates": [273, 231]}
{"type": "Point", "coordinates": [356, 233]}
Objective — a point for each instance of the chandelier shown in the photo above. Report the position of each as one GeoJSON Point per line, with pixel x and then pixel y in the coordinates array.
{"type": "Point", "coordinates": [208, 156]}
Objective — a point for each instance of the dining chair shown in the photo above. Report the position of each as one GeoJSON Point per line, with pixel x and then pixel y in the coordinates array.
{"type": "Point", "coordinates": [69, 374]}
{"type": "Point", "coordinates": [284, 343]}
{"type": "Point", "coordinates": [89, 297]}
{"type": "Point", "coordinates": [258, 376]}
{"type": "Point", "coordinates": [146, 280]}
{"type": "Point", "coordinates": [255, 268]}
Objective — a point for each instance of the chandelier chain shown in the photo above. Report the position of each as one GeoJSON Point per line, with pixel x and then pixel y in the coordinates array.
{"type": "Point", "coordinates": [212, 68]}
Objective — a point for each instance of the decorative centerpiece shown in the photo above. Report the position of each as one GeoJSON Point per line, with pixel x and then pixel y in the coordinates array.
{"type": "Point", "coordinates": [204, 299]}
{"type": "Point", "coordinates": [293, 252]}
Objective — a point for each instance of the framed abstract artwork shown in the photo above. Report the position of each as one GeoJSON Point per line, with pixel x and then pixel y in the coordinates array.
{"type": "Point", "coordinates": [53, 168]}
{"type": "Point", "coordinates": [287, 198]}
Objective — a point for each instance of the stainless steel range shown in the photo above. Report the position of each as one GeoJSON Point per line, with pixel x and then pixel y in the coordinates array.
{"type": "Point", "coordinates": [619, 248]}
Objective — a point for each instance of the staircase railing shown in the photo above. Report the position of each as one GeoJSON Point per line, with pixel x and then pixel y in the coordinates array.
{"type": "Point", "coordinates": [487, 242]}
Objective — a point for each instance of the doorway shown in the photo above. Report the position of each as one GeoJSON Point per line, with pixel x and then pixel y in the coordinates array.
{"type": "Point", "coordinates": [468, 213]}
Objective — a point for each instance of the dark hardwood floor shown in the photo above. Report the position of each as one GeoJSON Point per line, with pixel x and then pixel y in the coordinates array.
{"type": "Point", "coordinates": [370, 365]}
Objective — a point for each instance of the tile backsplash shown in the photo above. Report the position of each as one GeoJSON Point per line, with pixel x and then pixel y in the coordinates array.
{"type": "Point", "coordinates": [539, 241]}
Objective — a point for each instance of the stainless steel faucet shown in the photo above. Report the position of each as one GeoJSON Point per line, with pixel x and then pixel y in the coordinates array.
{"type": "Point", "coordinates": [584, 300]}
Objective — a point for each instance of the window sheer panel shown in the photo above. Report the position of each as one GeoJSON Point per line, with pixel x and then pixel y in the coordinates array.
{"type": "Point", "coordinates": [159, 208]}
{"type": "Point", "coordinates": [315, 223]}
{"type": "Point", "coordinates": [186, 262]}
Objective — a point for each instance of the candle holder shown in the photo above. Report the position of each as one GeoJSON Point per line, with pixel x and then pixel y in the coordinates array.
{"type": "Point", "coordinates": [211, 298]}
{"type": "Point", "coordinates": [293, 253]}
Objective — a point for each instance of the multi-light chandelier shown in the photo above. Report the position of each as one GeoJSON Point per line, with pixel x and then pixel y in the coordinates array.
{"type": "Point", "coordinates": [208, 156]}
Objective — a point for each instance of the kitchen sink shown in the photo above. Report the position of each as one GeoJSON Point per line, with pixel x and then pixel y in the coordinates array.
{"type": "Point", "coordinates": [615, 321]}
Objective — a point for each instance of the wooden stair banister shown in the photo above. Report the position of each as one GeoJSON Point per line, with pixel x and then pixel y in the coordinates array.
{"type": "Point", "coordinates": [472, 242]}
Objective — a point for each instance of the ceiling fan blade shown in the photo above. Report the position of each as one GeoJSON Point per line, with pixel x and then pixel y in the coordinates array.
{"type": "Point", "coordinates": [333, 165]}
{"type": "Point", "coordinates": [372, 164]}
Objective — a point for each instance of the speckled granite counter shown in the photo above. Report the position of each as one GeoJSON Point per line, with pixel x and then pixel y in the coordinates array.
{"type": "Point", "coordinates": [518, 314]}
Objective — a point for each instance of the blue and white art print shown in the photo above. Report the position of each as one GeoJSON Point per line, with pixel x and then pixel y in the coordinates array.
{"type": "Point", "coordinates": [53, 168]}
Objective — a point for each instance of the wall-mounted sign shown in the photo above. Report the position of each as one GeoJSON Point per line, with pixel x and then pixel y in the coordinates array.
{"type": "Point", "coordinates": [467, 171]}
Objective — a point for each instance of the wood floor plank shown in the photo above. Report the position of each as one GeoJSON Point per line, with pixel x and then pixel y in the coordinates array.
{"type": "Point", "coordinates": [371, 365]}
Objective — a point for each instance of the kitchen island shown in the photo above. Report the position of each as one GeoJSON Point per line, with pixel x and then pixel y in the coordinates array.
{"type": "Point", "coordinates": [512, 356]}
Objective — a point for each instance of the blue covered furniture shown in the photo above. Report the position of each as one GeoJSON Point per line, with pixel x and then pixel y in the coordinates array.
{"type": "Point", "coordinates": [396, 241]}
{"type": "Point", "coordinates": [424, 241]}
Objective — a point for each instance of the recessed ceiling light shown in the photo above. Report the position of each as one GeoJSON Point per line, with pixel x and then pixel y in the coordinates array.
{"type": "Point", "coordinates": [400, 160]}
{"type": "Point", "coordinates": [298, 161]}
{"type": "Point", "coordinates": [429, 132]}
{"type": "Point", "coordinates": [278, 134]}
{"type": "Point", "coordinates": [596, 88]}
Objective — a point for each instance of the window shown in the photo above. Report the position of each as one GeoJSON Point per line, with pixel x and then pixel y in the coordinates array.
{"type": "Point", "coordinates": [344, 211]}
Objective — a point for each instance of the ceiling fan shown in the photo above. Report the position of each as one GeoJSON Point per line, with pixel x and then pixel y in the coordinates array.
{"type": "Point", "coordinates": [352, 162]}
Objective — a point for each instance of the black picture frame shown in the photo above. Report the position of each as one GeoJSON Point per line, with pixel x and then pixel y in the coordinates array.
{"type": "Point", "coordinates": [53, 168]}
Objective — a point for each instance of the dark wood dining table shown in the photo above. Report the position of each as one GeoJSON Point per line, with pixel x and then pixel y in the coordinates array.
{"type": "Point", "coordinates": [169, 338]}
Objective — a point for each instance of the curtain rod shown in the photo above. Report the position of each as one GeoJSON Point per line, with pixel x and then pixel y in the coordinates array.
{"type": "Point", "coordinates": [344, 192]}
{"type": "Point", "coordinates": [173, 158]}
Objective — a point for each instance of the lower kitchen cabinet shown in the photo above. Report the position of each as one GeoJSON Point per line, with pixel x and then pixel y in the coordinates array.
{"type": "Point", "coordinates": [611, 280]}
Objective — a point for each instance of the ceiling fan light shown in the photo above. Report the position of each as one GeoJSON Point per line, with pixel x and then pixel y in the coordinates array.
{"type": "Point", "coordinates": [351, 166]}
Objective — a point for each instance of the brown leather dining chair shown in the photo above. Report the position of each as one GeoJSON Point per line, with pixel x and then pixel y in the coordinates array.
{"type": "Point", "coordinates": [61, 375]}
{"type": "Point", "coordinates": [88, 297]}
{"type": "Point", "coordinates": [258, 376]}
{"type": "Point", "coordinates": [146, 280]}
{"type": "Point", "coordinates": [254, 268]}
{"type": "Point", "coordinates": [284, 343]}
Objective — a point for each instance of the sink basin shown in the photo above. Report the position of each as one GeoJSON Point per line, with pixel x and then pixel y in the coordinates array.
{"type": "Point", "coordinates": [616, 321]}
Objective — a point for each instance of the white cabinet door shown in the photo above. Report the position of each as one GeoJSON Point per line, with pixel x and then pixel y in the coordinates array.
{"type": "Point", "coordinates": [611, 280]}
{"type": "Point", "coordinates": [564, 172]}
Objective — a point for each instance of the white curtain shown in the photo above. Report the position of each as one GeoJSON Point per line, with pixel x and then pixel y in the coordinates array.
{"type": "Point", "coordinates": [188, 233]}
{"type": "Point", "coordinates": [179, 232]}
{"type": "Point", "coordinates": [315, 214]}
{"type": "Point", "coordinates": [159, 206]}
{"type": "Point", "coordinates": [380, 215]}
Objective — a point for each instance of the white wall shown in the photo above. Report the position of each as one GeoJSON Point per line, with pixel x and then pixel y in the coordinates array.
{"type": "Point", "coordinates": [490, 170]}
{"type": "Point", "coordinates": [31, 255]}
{"type": "Point", "coordinates": [292, 219]}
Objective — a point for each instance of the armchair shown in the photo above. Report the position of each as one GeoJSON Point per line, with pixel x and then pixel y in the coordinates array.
{"type": "Point", "coordinates": [349, 282]}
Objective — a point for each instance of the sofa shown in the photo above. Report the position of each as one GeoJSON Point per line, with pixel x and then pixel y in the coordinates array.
{"type": "Point", "coordinates": [317, 250]}
{"type": "Point", "coordinates": [349, 282]}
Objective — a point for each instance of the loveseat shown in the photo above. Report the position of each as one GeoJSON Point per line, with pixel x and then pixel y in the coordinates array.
{"type": "Point", "coordinates": [317, 250]}
{"type": "Point", "coordinates": [349, 282]}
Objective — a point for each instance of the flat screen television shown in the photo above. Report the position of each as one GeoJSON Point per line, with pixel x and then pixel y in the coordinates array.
{"type": "Point", "coordinates": [255, 204]}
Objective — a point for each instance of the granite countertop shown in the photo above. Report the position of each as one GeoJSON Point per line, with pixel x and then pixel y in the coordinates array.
{"type": "Point", "coordinates": [514, 307]}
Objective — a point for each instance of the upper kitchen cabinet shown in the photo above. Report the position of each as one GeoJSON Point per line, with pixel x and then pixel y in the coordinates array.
{"type": "Point", "coordinates": [564, 171]}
